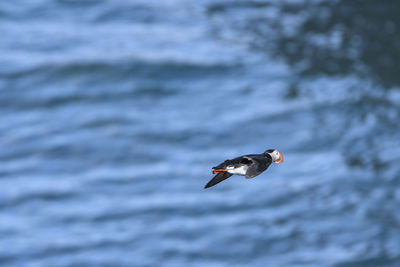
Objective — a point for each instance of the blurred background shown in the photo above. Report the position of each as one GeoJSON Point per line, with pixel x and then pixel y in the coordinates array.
{"type": "Point", "coordinates": [113, 113]}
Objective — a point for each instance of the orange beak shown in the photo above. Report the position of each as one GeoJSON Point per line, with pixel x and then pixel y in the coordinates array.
{"type": "Point", "coordinates": [280, 158]}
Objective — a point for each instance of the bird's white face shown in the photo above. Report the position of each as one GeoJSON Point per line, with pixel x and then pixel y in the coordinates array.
{"type": "Point", "coordinates": [276, 156]}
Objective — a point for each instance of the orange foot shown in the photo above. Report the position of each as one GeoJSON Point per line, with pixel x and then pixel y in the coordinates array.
{"type": "Point", "coordinates": [220, 170]}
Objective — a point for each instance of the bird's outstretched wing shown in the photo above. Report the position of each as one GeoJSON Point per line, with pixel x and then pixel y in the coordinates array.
{"type": "Point", "coordinates": [221, 169]}
{"type": "Point", "coordinates": [218, 178]}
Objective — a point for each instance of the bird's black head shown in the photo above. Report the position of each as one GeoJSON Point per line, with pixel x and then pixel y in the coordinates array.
{"type": "Point", "coordinates": [269, 151]}
{"type": "Point", "coordinates": [275, 155]}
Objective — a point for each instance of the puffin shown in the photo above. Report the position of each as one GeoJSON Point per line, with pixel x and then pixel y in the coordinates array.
{"type": "Point", "coordinates": [249, 166]}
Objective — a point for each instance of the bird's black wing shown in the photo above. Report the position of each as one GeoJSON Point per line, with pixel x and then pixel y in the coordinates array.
{"type": "Point", "coordinates": [258, 165]}
{"type": "Point", "coordinates": [218, 178]}
{"type": "Point", "coordinates": [234, 162]}
{"type": "Point", "coordinates": [225, 175]}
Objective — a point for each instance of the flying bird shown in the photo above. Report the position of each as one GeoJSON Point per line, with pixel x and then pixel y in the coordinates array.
{"type": "Point", "coordinates": [247, 165]}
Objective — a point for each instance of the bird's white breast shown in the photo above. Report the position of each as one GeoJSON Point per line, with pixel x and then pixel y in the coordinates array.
{"type": "Point", "coordinates": [239, 170]}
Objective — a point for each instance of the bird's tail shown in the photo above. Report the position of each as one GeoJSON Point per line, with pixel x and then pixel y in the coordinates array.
{"type": "Point", "coordinates": [218, 178]}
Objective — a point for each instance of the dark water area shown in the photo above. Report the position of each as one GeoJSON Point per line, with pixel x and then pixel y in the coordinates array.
{"type": "Point", "coordinates": [114, 112]}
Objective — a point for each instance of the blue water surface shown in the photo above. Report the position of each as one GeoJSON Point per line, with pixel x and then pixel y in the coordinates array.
{"type": "Point", "coordinates": [114, 112]}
